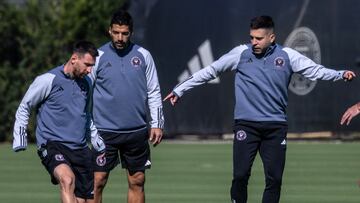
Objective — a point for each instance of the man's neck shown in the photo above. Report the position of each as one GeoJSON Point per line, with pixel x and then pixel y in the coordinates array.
{"type": "Point", "coordinates": [68, 70]}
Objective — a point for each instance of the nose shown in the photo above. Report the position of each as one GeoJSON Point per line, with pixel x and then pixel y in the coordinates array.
{"type": "Point", "coordinates": [120, 37]}
{"type": "Point", "coordinates": [88, 69]}
{"type": "Point", "coordinates": [254, 42]}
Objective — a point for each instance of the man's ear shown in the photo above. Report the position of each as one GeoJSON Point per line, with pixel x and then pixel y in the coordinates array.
{"type": "Point", "coordinates": [272, 37]}
{"type": "Point", "coordinates": [109, 31]}
{"type": "Point", "coordinates": [74, 58]}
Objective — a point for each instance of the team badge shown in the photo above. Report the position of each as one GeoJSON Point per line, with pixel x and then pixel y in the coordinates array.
{"type": "Point", "coordinates": [101, 160]}
{"type": "Point", "coordinates": [59, 157]}
{"type": "Point", "coordinates": [279, 62]}
{"type": "Point", "coordinates": [240, 135]}
{"type": "Point", "coordinates": [136, 61]}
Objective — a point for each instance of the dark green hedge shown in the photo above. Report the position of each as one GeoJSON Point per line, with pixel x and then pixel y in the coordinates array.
{"type": "Point", "coordinates": [36, 37]}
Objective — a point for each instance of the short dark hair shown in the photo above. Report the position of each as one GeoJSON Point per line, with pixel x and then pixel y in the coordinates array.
{"type": "Point", "coordinates": [262, 22]}
{"type": "Point", "coordinates": [82, 47]}
{"type": "Point", "coordinates": [122, 17]}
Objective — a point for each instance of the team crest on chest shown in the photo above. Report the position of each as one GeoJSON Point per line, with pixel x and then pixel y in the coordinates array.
{"type": "Point", "coordinates": [136, 61]}
{"type": "Point", "coordinates": [279, 62]}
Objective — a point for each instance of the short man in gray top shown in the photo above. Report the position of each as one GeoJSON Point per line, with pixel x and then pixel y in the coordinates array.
{"type": "Point", "coordinates": [64, 124]}
{"type": "Point", "coordinates": [125, 87]}
{"type": "Point", "coordinates": [263, 72]}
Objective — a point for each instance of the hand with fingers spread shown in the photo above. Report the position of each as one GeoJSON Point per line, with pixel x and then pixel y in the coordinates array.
{"type": "Point", "coordinates": [350, 113]}
{"type": "Point", "coordinates": [348, 75]}
{"type": "Point", "coordinates": [173, 98]}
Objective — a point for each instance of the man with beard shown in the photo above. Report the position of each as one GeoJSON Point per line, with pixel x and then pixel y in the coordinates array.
{"type": "Point", "coordinates": [62, 97]}
{"type": "Point", "coordinates": [125, 87]}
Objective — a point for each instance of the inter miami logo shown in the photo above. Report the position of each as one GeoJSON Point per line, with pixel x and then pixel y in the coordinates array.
{"type": "Point", "coordinates": [101, 160]}
{"type": "Point", "coordinates": [59, 157]}
{"type": "Point", "coordinates": [279, 62]}
{"type": "Point", "coordinates": [136, 61]}
{"type": "Point", "coordinates": [240, 135]}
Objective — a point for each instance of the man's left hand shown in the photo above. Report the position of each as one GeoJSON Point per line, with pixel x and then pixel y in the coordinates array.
{"type": "Point", "coordinates": [155, 136]}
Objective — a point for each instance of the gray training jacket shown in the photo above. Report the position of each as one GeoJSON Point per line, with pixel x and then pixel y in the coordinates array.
{"type": "Point", "coordinates": [125, 87]}
{"type": "Point", "coordinates": [261, 84]}
{"type": "Point", "coordinates": [62, 113]}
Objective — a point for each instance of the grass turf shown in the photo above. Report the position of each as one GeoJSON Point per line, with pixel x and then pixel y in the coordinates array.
{"type": "Point", "coordinates": [315, 172]}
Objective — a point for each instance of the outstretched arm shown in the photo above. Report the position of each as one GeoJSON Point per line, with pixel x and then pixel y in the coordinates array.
{"type": "Point", "coordinates": [350, 113]}
{"type": "Point", "coordinates": [309, 69]}
{"type": "Point", "coordinates": [227, 62]}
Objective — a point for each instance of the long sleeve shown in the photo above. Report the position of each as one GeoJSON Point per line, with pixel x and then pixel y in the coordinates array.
{"type": "Point", "coordinates": [227, 62]}
{"type": "Point", "coordinates": [36, 93]}
{"type": "Point", "coordinates": [153, 92]}
{"type": "Point", "coordinates": [309, 69]}
{"type": "Point", "coordinates": [92, 134]}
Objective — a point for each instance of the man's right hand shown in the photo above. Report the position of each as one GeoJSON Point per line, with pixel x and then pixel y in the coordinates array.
{"type": "Point", "coordinates": [172, 98]}
{"type": "Point", "coordinates": [348, 75]}
{"type": "Point", "coordinates": [98, 143]}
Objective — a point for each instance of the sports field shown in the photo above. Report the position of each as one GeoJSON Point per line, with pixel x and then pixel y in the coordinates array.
{"type": "Point", "coordinates": [315, 172]}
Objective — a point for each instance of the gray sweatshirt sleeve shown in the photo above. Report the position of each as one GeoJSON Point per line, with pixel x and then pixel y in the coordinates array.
{"type": "Point", "coordinates": [96, 140]}
{"type": "Point", "coordinates": [153, 91]}
{"type": "Point", "coordinates": [227, 62]}
{"type": "Point", "coordinates": [37, 92]}
{"type": "Point", "coordinates": [309, 69]}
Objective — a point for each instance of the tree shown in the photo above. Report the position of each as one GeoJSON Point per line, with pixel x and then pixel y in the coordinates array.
{"type": "Point", "coordinates": [36, 37]}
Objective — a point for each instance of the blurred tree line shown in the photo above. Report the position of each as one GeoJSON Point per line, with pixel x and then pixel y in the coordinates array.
{"type": "Point", "coordinates": [37, 36]}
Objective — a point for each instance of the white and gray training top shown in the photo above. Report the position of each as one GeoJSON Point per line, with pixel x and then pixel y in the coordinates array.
{"type": "Point", "coordinates": [261, 83]}
{"type": "Point", "coordinates": [62, 111]}
{"type": "Point", "coordinates": [126, 86]}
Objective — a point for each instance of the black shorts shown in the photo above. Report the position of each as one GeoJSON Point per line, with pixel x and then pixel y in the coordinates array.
{"type": "Point", "coordinates": [131, 148]}
{"type": "Point", "coordinates": [79, 160]}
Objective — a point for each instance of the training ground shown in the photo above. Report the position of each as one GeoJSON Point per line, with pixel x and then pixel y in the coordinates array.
{"type": "Point", "coordinates": [200, 172]}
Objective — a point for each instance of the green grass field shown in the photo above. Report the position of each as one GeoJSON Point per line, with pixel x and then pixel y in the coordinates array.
{"type": "Point", "coordinates": [315, 172]}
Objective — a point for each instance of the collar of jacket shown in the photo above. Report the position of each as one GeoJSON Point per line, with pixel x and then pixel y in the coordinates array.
{"type": "Point", "coordinates": [268, 51]}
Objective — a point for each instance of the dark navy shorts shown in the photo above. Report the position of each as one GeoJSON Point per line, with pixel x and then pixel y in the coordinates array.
{"type": "Point", "coordinates": [79, 160]}
{"type": "Point", "coordinates": [132, 149]}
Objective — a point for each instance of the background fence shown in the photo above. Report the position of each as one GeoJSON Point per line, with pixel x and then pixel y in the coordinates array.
{"type": "Point", "coordinates": [184, 36]}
